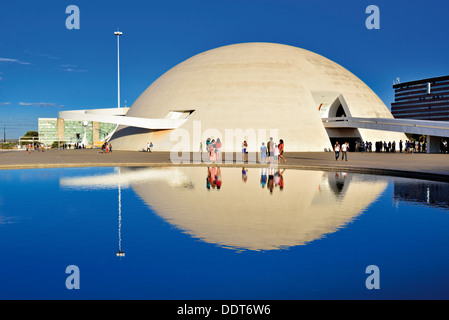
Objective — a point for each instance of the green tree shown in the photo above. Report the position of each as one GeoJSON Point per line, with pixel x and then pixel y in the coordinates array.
{"type": "Point", "coordinates": [31, 134]}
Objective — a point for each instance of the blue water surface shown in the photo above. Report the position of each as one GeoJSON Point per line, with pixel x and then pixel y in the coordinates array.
{"type": "Point", "coordinates": [45, 228]}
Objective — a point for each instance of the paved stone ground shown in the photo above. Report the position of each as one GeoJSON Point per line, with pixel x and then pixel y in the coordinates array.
{"type": "Point", "coordinates": [418, 165]}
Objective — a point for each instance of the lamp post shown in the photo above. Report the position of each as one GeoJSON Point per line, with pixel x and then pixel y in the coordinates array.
{"type": "Point", "coordinates": [120, 253]}
{"type": "Point", "coordinates": [118, 34]}
{"type": "Point", "coordinates": [84, 142]}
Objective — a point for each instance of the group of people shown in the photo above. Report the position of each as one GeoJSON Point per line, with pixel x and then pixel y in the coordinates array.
{"type": "Point", "coordinates": [213, 148]}
{"type": "Point", "coordinates": [106, 147]}
{"type": "Point", "coordinates": [409, 146]}
{"type": "Point", "coordinates": [412, 146]}
{"type": "Point", "coordinates": [80, 146]}
{"type": "Point", "coordinates": [30, 147]}
{"type": "Point", "coordinates": [388, 147]}
{"type": "Point", "coordinates": [344, 148]}
{"type": "Point", "coordinates": [363, 146]}
{"type": "Point", "coordinates": [272, 152]}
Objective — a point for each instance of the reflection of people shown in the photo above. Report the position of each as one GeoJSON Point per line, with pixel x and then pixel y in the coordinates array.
{"type": "Point", "coordinates": [276, 178]}
{"type": "Point", "coordinates": [213, 178]}
{"type": "Point", "coordinates": [244, 174]}
{"type": "Point", "coordinates": [339, 182]}
{"type": "Point", "coordinates": [218, 178]}
{"type": "Point", "coordinates": [208, 179]}
{"type": "Point", "coordinates": [270, 183]}
{"type": "Point", "coordinates": [263, 177]}
{"type": "Point", "coordinates": [281, 179]}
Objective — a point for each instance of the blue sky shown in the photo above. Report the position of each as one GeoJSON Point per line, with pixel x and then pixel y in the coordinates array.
{"type": "Point", "coordinates": [46, 68]}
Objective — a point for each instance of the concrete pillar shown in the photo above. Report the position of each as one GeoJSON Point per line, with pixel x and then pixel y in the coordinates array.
{"type": "Point", "coordinates": [60, 129]}
{"type": "Point", "coordinates": [95, 132]}
{"type": "Point", "coordinates": [433, 144]}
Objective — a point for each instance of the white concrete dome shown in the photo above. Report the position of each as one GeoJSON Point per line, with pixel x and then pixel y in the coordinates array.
{"type": "Point", "coordinates": [255, 87]}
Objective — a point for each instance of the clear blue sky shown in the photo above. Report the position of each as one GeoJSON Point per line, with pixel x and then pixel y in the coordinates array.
{"type": "Point", "coordinates": [46, 68]}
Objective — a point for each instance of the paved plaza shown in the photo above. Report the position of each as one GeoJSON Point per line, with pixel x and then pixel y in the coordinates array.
{"type": "Point", "coordinates": [418, 165]}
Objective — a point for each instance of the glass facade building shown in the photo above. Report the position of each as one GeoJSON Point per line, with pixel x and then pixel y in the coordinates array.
{"type": "Point", "coordinates": [48, 130]}
{"type": "Point", "coordinates": [72, 131]}
{"type": "Point", "coordinates": [426, 99]}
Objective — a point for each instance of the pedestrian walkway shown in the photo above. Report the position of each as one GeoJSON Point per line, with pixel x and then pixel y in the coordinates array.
{"type": "Point", "coordinates": [418, 165]}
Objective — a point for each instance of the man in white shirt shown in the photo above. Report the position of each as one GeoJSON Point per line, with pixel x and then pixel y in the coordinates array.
{"type": "Point", "coordinates": [344, 151]}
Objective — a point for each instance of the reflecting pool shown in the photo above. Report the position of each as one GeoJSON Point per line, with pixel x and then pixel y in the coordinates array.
{"type": "Point", "coordinates": [221, 233]}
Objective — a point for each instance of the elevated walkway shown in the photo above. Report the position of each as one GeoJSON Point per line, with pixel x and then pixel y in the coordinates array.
{"type": "Point", "coordinates": [117, 116]}
{"type": "Point", "coordinates": [434, 130]}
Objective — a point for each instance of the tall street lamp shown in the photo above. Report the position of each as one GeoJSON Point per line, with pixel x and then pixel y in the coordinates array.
{"type": "Point", "coordinates": [118, 34]}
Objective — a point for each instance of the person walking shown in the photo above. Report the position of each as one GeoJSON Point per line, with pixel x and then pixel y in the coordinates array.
{"type": "Point", "coordinates": [276, 153]}
{"type": "Point", "coordinates": [208, 148]}
{"type": "Point", "coordinates": [244, 151]}
{"type": "Point", "coordinates": [337, 151]}
{"type": "Point", "coordinates": [344, 151]}
{"type": "Point", "coordinates": [218, 150]}
{"type": "Point", "coordinates": [263, 153]}
{"type": "Point", "coordinates": [281, 151]}
{"type": "Point", "coordinates": [270, 148]}
{"type": "Point", "coordinates": [212, 154]}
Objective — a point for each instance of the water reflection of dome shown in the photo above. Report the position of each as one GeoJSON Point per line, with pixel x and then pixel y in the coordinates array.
{"type": "Point", "coordinates": [245, 216]}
